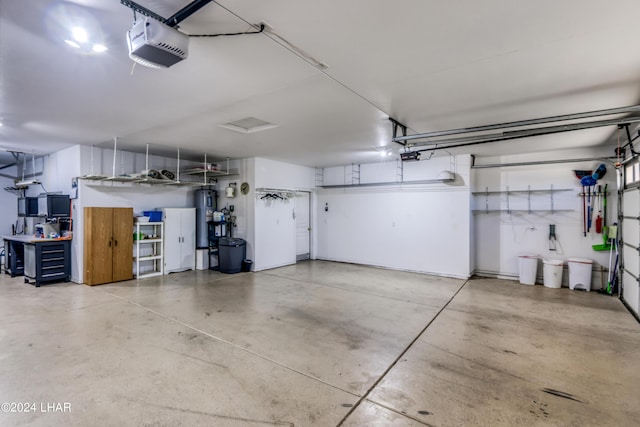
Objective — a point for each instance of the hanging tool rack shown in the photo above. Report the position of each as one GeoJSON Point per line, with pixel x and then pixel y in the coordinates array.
{"type": "Point", "coordinates": [590, 199]}
{"type": "Point", "coordinates": [274, 194]}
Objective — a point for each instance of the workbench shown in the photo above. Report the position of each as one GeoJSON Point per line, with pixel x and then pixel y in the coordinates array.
{"type": "Point", "coordinates": [39, 260]}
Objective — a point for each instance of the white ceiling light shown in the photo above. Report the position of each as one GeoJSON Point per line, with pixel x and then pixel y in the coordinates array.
{"type": "Point", "coordinates": [80, 40]}
{"type": "Point", "coordinates": [248, 125]}
{"type": "Point", "coordinates": [79, 34]}
{"type": "Point", "coordinates": [26, 183]}
{"type": "Point", "coordinates": [72, 44]}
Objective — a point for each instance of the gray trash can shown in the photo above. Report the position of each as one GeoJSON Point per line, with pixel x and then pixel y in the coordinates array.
{"type": "Point", "coordinates": [231, 253]}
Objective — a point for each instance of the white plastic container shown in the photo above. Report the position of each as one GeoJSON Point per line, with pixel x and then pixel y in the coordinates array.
{"type": "Point", "coordinates": [552, 273]}
{"type": "Point", "coordinates": [580, 273]}
{"type": "Point", "coordinates": [528, 268]}
{"type": "Point", "coordinates": [202, 259]}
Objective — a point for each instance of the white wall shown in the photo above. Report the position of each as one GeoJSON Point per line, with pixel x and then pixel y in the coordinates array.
{"type": "Point", "coordinates": [8, 203]}
{"type": "Point", "coordinates": [500, 237]}
{"type": "Point", "coordinates": [244, 204]}
{"type": "Point", "coordinates": [274, 220]}
{"type": "Point", "coordinates": [413, 227]}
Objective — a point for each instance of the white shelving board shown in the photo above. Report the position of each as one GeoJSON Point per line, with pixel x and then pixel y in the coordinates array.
{"type": "Point", "coordinates": [148, 256]}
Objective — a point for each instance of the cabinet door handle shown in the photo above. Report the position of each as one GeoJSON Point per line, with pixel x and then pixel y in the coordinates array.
{"type": "Point", "coordinates": [116, 243]}
{"type": "Point", "coordinates": [110, 242]}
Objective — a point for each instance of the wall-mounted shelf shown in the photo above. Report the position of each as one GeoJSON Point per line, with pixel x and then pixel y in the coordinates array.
{"type": "Point", "coordinates": [527, 211]}
{"type": "Point", "coordinates": [529, 192]}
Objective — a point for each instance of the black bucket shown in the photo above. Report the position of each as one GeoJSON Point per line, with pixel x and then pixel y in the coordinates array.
{"type": "Point", "coordinates": [246, 265]}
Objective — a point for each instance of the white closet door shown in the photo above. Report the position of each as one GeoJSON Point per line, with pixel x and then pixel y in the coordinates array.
{"type": "Point", "coordinates": [188, 252]}
{"type": "Point", "coordinates": [172, 240]}
{"type": "Point", "coordinates": [275, 241]}
{"type": "Point", "coordinates": [303, 226]}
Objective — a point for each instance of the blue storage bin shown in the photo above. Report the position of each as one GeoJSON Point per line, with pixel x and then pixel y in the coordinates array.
{"type": "Point", "coordinates": [154, 216]}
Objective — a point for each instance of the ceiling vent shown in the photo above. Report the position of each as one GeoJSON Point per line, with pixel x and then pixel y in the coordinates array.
{"type": "Point", "coordinates": [156, 45]}
{"type": "Point", "coordinates": [248, 125]}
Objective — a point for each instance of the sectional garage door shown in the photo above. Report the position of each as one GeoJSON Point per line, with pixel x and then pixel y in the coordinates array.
{"type": "Point", "coordinates": [630, 234]}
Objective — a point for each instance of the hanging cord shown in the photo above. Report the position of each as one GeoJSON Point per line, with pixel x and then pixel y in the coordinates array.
{"type": "Point", "coordinates": [229, 34]}
{"type": "Point", "coordinates": [431, 151]}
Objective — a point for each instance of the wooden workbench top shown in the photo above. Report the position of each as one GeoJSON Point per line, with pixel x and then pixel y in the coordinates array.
{"type": "Point", "coordinates": [29, 238]}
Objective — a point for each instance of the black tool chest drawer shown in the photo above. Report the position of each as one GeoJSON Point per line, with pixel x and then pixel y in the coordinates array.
{"type": "Point", "coordinates": [47, 261]}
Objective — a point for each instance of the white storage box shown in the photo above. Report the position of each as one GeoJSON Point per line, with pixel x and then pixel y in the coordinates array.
{"type": "Point", "coordinates": [552, 272]}
{"type": "Point", "coordinates": [528, 268]}
{"type": "Point", "coordinates": [580, 273]}
{"type": "Point", "coordinates": [202, 259]}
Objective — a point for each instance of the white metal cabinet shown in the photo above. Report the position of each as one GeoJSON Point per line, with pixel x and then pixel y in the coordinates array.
{"type": "Point", "coordinates": [180, 239]}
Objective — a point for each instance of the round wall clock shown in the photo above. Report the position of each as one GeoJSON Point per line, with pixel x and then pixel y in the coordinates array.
{"type": "Point", "coordinates": [244, 188]}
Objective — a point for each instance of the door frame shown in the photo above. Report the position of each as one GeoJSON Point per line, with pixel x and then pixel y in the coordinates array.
{"type": "Point", "coordinates": [311, 228]}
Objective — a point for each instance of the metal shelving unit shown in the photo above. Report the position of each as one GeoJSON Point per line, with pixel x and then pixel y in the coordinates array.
{"type": "Point", "coordinates": [148, 257]}
{"type": "Point", "coordinates": [145, 177]}
{"type": "Point", "coordinates": [528, 192]}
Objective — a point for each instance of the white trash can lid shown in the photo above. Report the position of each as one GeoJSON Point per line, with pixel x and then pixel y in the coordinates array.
{"type": "Point", "coordinates": [528, 256]}
{"type": "Point", "coordinates": [553, 261]}
{"type": "Point", "coordinates": [580, 260]}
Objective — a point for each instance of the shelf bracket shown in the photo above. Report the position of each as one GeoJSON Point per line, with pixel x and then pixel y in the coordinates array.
{"type": "Point", "coordinates": [395, 125]}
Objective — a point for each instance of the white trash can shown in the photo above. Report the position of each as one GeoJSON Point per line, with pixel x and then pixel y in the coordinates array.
{"type": "Point", "coordinates": [552, 273]}
{"type": "Point", "coordinates": [528, 268]}
{"type": "Point", "coordinates": [580, 273]}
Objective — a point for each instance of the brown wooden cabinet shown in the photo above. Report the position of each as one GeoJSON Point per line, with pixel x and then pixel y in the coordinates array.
{"type": "Point", "coordinates": [108, 245]}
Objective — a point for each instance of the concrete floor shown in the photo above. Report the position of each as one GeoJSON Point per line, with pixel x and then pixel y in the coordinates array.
{"type": "Point", "coordinates": [318, 343]}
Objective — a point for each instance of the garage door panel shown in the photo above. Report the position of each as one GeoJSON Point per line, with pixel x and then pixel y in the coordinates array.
{"type": "Point", "coordinates": [630, 202]}
{"type": "Point", "coordinates": [630, 293]}
{"type": "Point", "coordinates": [631, 232]}
{"type": "Point", "coordinates": [631, 260]}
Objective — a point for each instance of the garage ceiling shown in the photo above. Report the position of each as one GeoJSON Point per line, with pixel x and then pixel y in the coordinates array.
{"type": "Point", "coordinates": [432, 65]}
